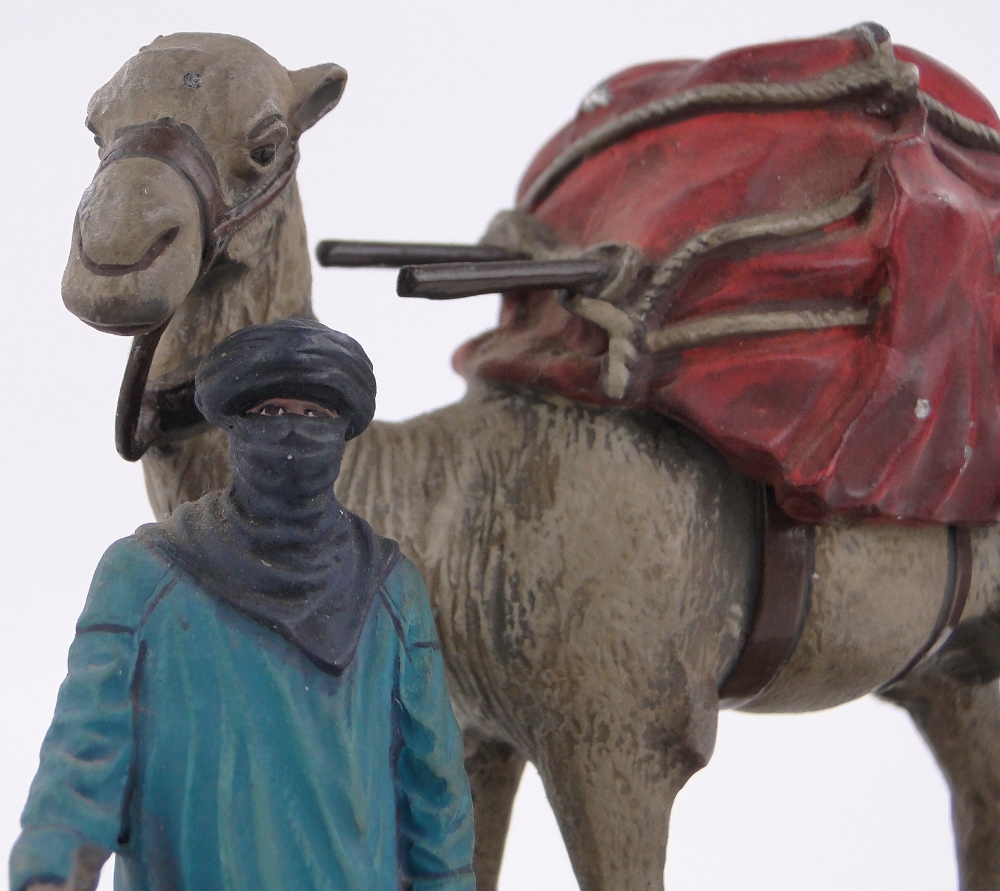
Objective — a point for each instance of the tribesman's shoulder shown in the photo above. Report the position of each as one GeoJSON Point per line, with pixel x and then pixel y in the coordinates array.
{"type": "Point", "coordinates": [127, 580]}
{"type": "Point", "coordinates": [407, 599]}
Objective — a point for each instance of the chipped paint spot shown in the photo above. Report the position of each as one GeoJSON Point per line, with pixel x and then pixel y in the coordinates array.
{"type": "Point", "coordinates": [922, 409]}
{"type": "Point", "coordinates": [968, 458]}
{"type": "Point", "coordinates": [599, 97]}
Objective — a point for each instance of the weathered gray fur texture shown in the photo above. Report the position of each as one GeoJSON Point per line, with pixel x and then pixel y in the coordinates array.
{"type": "Point", "coordinates": [591, 570]}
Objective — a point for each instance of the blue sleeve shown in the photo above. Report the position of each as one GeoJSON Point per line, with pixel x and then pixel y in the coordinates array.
{"type": "Point", "coordinates": [78, 796]}
{"type": "Point", "coordinates": [433, 797]}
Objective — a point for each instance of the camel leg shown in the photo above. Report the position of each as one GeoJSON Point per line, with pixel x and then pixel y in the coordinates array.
{"type": "Point", "coordinates": [494, 770]}
{"type": "Point", "coordinates": [961, 724]}
{"type": "Point", "coordinates": [612, 791]}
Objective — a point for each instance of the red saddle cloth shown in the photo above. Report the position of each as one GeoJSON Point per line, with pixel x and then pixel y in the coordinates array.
{"type": "Point", "coordinates": [897, 419]}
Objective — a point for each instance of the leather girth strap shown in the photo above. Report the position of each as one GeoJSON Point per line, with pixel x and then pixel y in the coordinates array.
{"type": "Point", "coordinates": [784, 598]}
{"type": "Point", "coordinates": [959, 582]}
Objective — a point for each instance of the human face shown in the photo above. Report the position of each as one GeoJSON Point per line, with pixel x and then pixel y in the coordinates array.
{"type": "Point", "coordinates": [273, 408]}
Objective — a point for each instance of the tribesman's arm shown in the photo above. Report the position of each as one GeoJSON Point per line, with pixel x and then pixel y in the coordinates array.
{"type": "Point", "coordinates": [73, 819]}
{"type": "Point", "coordinates": [434, 802]}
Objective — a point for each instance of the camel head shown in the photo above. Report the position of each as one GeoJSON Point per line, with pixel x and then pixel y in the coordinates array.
{"type": "Point", "coordinates": [197, 138]}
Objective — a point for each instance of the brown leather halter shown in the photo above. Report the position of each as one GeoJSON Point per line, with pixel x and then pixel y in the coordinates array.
{"type": "Point", "coordinates": [179, 147]}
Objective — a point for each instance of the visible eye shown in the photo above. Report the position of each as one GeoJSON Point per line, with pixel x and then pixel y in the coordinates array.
{"type": "Point", "coordinates": [264, 154]}
{"type": "Point", "coordinates": [320, 413]}
{"type": "Point", "coordinates": [270, 411]}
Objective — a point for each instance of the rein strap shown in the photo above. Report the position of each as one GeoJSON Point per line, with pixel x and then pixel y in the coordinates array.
{"type": "Point", "coordinates": [180, 148]}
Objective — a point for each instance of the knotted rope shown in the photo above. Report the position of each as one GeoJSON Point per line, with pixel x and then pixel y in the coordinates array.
{"type": "Point", "coordinates": [634, 288]}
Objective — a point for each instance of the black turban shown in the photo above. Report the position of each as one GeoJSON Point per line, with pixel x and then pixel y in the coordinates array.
{"type": "Point", "coordinates": [276, 543]}
{"type": "Point", "coordinates": [290, 359]}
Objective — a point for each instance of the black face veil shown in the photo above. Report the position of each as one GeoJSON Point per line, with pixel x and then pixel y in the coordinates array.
{"type": "Point", "coordinates": [276, 544]}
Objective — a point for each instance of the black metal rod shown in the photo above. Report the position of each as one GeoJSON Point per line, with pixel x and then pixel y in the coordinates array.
{"type": "Point", "coordinates": [447, 281]}
{"type": "Point", "coordinates": [394, 254]}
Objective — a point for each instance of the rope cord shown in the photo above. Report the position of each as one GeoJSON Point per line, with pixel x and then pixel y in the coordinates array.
{"type": "Point", "coordinates": [695, 332]}
{"type": "Point", "coordinates": [957, 127]}
{"type": "Point", "coordinates": [779, 225]}
{"type": "Point", "coordinates": [882, 73]}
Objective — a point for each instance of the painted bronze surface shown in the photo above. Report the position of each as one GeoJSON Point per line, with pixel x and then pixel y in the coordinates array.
{"type": "Point", "coordinates": [783, 600]}
{"type": "Point", "coordinates": [794, 200]}
{"type": "Point", "coordinates": [592, 568]}
{"type": "Point", "coordinates": [396, 254]}
{"type": "Point", "coordinates": [256, 695]}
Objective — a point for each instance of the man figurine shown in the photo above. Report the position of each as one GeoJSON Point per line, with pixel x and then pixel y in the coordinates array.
{"type": "Point", "coordinates": [256, 697]}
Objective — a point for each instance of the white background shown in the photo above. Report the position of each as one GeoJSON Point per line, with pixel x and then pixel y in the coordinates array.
{"type": "Point", "coordinates": [447, 102]}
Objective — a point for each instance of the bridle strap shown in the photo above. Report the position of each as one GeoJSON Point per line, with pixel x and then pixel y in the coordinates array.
{"type": "Point", "coordinates": [238, 215]}
{"type": "Point", "coordinates": [180, 148]}
{"type": "Point", "coordinates": [130, 442]}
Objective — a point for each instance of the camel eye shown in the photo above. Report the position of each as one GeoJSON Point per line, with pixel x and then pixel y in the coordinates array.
{"type": "Point", "coordinates": [264, 154]}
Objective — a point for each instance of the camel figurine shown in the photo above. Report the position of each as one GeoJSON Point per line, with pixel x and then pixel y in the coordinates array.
{"type": "Point", "coordinates": [596, 569]}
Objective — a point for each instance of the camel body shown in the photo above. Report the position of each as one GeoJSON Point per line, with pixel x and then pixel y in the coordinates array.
{"type": "Point", "coordinates": [592, 570]}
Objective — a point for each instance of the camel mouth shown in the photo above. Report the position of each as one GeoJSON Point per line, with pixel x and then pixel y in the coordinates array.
{"type": "Point", "coordinates": [124, 330]}
{"type": "Point", "coordinates": [151, 255]}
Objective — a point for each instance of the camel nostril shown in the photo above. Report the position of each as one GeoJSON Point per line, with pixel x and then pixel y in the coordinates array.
{"type": "Point", "coordinates": [144, 262]}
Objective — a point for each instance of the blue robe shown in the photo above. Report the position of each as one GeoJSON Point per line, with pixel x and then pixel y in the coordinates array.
{"type": "Point", "coordinates": [210, 753]}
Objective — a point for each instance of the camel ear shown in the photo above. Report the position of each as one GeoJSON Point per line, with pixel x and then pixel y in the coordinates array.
{"type": "Point", "coordinates": [317, 90]}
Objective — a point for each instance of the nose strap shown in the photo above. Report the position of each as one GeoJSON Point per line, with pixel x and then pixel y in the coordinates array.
{"type": "Point", "coordinates": [180, 148]}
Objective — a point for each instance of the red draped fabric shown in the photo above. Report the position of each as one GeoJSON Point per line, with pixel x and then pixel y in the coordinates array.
{"type": "Point", "coordinates": [895, 420]}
